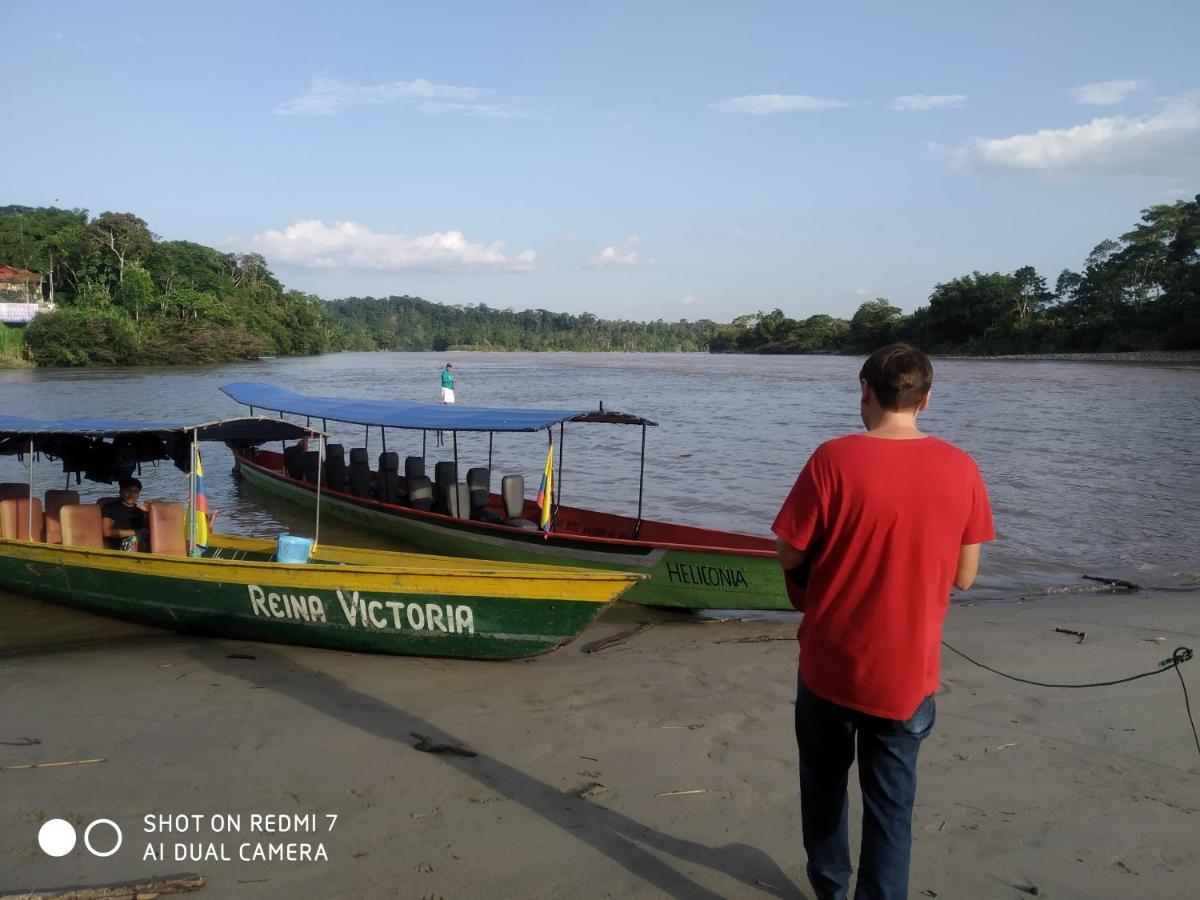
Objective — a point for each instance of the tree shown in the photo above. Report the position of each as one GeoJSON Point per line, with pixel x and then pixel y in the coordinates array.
{"type": "Point", "coordinates": [1030, 296]}
{"type": "Point", "coordinates": [123, 234]}
{"type": "Point", "coordinates": [875, 324]}
{"type": "Point", "coordinates": [135, 293]}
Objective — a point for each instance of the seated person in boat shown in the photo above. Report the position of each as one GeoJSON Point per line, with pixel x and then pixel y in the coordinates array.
{"type": "Point", "coordinates": [124, 521]}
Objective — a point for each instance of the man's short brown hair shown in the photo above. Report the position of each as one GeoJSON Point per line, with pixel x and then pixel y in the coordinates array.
{"type": "Point", "coordinates": [899, 375]}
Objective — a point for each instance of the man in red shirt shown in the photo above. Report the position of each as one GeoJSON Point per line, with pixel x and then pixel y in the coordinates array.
{"type": "Point", "coordinates": [875, 531]}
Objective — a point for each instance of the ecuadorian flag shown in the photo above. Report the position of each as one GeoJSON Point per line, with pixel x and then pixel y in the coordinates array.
{"type": "Point", "coordinates": [198, 517]}
{"type": "Point", "coordinates": [545, 492]}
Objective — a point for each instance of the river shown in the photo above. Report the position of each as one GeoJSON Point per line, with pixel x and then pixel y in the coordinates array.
{"type": "Point", "coordinates": [1091, 466]}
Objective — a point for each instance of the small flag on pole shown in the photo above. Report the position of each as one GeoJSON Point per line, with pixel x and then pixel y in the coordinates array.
{"type": "Point", "coordinates": [546, 491]}
{"type": "Point", "coordinates": [199, 514]}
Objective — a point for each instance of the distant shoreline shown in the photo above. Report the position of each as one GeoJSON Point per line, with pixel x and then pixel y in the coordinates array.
{"type": "Point", "coordinates": [1189, 357]}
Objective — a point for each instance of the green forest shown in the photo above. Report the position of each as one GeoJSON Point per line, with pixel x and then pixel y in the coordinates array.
{"type": "Point", "coordinates": [123, 296]}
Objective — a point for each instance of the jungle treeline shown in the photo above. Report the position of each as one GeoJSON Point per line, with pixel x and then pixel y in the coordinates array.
{"type": "Point", "coordinates": [125, 297]}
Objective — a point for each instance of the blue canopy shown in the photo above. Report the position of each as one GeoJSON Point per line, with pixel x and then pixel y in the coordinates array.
{"type": "Point", "coordinates": [406, 414]}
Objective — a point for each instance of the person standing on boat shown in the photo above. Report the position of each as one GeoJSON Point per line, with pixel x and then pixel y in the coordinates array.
{"type": "Point", "coordinates": [448, 383]}
{"type": "Point", "coordinates": [875, 531]}
{"type": "Point", "coordinates": [123, 521]}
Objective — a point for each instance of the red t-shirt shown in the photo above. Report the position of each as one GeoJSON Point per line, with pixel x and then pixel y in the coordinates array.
{"type": "Point", "coordinates": [886, 519]}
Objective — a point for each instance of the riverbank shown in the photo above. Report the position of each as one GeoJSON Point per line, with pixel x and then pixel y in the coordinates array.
{"type": "Point", "coordinates": [1186, 357]}
{"type": "Point", "coordinates": [664, 765]}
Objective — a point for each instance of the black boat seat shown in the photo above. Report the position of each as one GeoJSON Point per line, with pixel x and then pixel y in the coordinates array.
{"type": "Point", "coordinates": [479, 484]}
{"type": "Point", "coordinates": [312, 466]}
{"type": "Point", "coordinates": [413, 466]}
{"type": "Point", "coordinates": [512, 491]}
{"type": "Point", "coordinates": [420, 493]}
{"type": "Point", "coordinates": [335, 467]}
{"type": "Point", "coordinates": [445, 476]}
{"type": "Point", "coordinates": [388, 480]}
{"type": "Point", "coordinates": [359, 473]}
{"type": "Point", "coordinates": [293, 461]}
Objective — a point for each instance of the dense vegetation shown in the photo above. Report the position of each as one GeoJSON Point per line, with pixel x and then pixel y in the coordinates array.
{"type": "Point", "coordinates": [1138, 292]}
{"type": "Point", "coordinates": [410, 323]}
{"type": "Point", "coordinates": [124, 297]}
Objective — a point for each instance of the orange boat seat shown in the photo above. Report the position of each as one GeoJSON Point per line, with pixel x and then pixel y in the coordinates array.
{"type": "Point", "coordinates": [14, 519]}
{"type": "Point", "coordinates": [56, 500]}
{"type": "Point", "coordinates": [81, 526]}
{"type": "Point", "coordinates": [167, 535]}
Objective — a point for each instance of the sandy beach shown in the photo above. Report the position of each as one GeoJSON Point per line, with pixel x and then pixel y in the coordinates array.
{"type": "Point", "coordinates": [661, 766]}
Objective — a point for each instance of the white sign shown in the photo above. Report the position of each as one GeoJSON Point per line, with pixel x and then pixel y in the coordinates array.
{"type": "Point", "coordinates": [18, 312]}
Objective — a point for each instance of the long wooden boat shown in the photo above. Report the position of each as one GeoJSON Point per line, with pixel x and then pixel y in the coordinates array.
{"type": "Point", "coordinates": [397, 603]}
{"type": "Point", "coordinates": [690, 567]}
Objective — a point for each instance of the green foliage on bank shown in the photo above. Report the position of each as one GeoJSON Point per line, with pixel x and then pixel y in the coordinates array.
{"type": "Point", "coordinates": [12, 347]}
{"type": "Point", "coordinates": [410, 323]}
{"type": "Point", "coordinates": [124, 297]}
{"type": "Point", "coordinates": [1140, 291]}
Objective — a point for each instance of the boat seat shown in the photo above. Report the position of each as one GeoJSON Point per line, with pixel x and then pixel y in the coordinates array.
{"type": "Point", "coordinates": [335, 467]}
{"type": "Point", "coordinates": [388, 480]}
{"type": "Point", "coordinates": [445, 476]}
{"type": "Point", "coordinates": [312, 466]}
{"type": "Point", "coordinates": [360, 472]}
{"type": "Point", "coordinates": [293, 461]}
{"type": "Point", "coordinates": [56, 500]}
{"type": "Point", "coordinates": [512, 491]}
{"type": "Point", "coordinates": [167, 534]}
{"type": "Point", "coordinates": [479, 483]}
{"type": "Point", "coordinates": [458, 500]}
{"type": "Point", "coordinates": [14, 519]}
{"type": "Point", "coordinates": [420, 493]}
{"type": "Point", "coordinates": [81, 526]}
{"type": "Point", "coordinates": [13, 490]}
{"type": "Point", "coordinates": [413, 466]}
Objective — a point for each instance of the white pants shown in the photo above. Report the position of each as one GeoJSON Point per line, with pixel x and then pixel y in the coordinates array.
{"type": "Point", "coordinates": [447, 395]}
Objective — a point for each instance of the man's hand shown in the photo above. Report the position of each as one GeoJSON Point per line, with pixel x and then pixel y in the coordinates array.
{"type": "Point", "coordinates": [789, 557]}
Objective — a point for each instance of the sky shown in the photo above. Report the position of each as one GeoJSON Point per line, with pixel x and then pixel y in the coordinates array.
{"type": "Point", "coordinates": [636, 160]}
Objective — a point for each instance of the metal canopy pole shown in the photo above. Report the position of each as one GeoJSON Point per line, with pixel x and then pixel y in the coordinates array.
{"type": "Point", "coordinates": [192, 500]}
{"type": "Point", "coordinates": [558, 480]}
{"type": "Point", "coordinates": [454, 438]}
{"type": "Point", "coordinates": [641, 483]}
{"type": "Point", "coordinates": [383, 437]}
{"type": "Point", "coordinates": [424, 434]}
{"type": "Point", "coordinates": [320, 473]}
{"type": "Point", "coordinates": [491, 434]}
{"type": "Point", "coordinates": [367, 438]}
{"type": "Point", "coordinates": [29, 531]}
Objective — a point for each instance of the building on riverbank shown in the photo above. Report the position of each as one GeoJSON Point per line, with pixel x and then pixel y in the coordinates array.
{"type": "Point", "coordinates": [21, 296]}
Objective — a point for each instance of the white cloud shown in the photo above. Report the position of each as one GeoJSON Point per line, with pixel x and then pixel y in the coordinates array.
{"type": "Point", "coordinates": [1164, 143]}
{"type": "Point", "coordinates": [623, 254]}
{"type": "Point", "coordinates": [1105, 93]}
{"type": "Point", "coordinates": [765, 104]}
{"type": "Point", "coordinates": [917, 102]}
{"type": "Point", "coordinates": [312, 243]}
{"type": "Point", "coordinates": [690, 300]}
{"type": "Point", "coordinates": [327, 96]}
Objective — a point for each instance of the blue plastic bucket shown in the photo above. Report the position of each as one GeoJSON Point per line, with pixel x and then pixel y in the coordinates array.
{"type": "Point", "coordinates": [293, 549]}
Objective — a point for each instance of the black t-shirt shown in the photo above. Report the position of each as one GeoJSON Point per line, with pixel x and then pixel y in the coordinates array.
{"type": "Point", "coordinates": [131, 518]}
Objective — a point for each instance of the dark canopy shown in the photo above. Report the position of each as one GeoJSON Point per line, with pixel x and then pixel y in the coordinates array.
{"type": "Point", "coordinates": [107, 449]}
{"type": "Point", "coordinates": [406, 414]}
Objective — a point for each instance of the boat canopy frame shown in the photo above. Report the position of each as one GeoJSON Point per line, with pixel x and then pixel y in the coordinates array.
{"type": "Point", "coordinates": [425, 417]}
{"type": "Point", "coordinates": [25, 437]}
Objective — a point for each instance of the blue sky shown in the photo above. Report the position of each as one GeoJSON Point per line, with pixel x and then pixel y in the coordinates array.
{"type": "Point", "coordinates": [635, 160]}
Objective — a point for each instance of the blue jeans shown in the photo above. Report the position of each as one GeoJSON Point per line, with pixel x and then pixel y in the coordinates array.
{"type": "Point", "coordinates": [887, 772]}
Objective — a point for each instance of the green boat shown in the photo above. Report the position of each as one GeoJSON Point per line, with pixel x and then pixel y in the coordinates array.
{"type": "Point", "coordinates": [236, 587]}
{"type": "Point", "coordinates": [690, 567]}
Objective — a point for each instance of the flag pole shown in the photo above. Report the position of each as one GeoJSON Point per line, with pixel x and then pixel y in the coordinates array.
{"type": "Point", "coordinates": [29, 527]}
{"type": "Point", "coordinates": [320, 473]}
{"type": "Point", "coordinates": [192, 500]}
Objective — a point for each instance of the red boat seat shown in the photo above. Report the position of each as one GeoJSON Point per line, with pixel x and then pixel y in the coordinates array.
{"type": "Point", "coordinates": [512, 491]}
{"type": "Point", "coordinates": [56, 500]}
{"type": "Point", "coordinates": [14, 519]}
{"type": "Point", "coordinates": [81, 526]}
{"type": "Point", "coordinates": [166, 529]}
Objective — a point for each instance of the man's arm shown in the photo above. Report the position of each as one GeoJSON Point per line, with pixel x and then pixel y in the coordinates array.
{"type": "Point", "coordinates": [968, 566]}
{"type": "Point", "coordinates": [789, 557]}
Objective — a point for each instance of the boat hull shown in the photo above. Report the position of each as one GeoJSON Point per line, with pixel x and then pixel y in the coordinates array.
{"type": "Point", "coordinates": [681, 576]}
{"type": "Point", "coordinates": [481, 611]}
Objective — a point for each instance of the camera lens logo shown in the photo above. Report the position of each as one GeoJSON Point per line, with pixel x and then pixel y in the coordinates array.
{"type": "Point", "coordinates": [57, 837]}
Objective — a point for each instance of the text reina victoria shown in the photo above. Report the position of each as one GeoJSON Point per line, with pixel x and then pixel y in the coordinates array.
{"type": "Point", "coordinates": [359, 612]}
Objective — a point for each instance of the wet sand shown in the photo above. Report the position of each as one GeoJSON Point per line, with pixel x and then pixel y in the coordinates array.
{"type": "Point", "coordinates": [1079, 793]}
